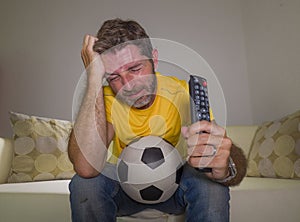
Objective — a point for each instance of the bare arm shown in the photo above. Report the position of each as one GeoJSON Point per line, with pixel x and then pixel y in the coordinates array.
{"type": "Point", "coordinates": [91, 133]}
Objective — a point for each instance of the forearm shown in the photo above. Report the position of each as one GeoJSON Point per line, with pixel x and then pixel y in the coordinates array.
{"type": "Point", "coordinates": [81, 165]}
{"type": "Point", "coordinates": [240, 162]}
{"type": "Point", "coordinates": [88, 141]}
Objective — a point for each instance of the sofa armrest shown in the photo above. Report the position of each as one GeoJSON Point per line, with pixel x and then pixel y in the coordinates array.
{"type": "Point", "coordinates": [6, 155]}
{"type": "Point", "coordinates": [242, 136]}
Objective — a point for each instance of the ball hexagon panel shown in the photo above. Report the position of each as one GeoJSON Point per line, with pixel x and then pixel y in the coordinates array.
{"type": "Point", "coordinates": [178, 174]}
{"type": "Point", "coordinates": [151, 193]}
{"type": "Point", "coordinates": [153, 157]}
{"type": "Point", "coordinates": [123, 171]}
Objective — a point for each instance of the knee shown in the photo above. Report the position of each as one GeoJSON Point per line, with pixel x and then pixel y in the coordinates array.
{"type": "Point", "coordinates": [204, 198]}
{"type": "Point", "coordinates": [216, 196]}
{"type": "Point", "coordinates": [90, 186]}
{"type": "Point", "coordinates": [80, 184]}
{"type": "Point", "coordinates": [217, 192]}
{"type": "Point", "coordinates": [202, 187]}
{"type": "Point", "coordinates": [208, 188]}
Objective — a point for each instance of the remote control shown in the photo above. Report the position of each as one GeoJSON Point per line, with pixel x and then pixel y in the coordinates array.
{"type": "Point", "coordinates": [199, 99]}
{"type": "Point", "coordinates": [199, 103]}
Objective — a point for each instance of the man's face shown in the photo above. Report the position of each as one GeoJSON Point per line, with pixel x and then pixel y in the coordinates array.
{"type": "Point", "coordinates": [131, 76]}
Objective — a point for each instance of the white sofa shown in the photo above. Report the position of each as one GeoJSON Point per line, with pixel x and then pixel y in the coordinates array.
{"type": "Point", "coordinates": [255, 199]}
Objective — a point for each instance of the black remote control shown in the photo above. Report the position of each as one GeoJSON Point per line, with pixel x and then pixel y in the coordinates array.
{"type": "Point", "coordinates": [199, 99]}
{"type": "Point", "coordinates": [199, 103]}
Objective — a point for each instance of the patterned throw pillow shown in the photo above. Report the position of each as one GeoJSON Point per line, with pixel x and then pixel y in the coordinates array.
{"type": "Point", "coordinates": [275, 150]}
{"type": "Point", "coordinates": [40, 149]}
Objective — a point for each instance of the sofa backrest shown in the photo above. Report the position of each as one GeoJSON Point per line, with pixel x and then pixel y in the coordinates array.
{"type": "Point", "coordinates": [242, 136]}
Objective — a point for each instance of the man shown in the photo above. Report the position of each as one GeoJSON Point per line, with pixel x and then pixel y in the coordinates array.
{"type": "Point", "coordinates": [140, 102]}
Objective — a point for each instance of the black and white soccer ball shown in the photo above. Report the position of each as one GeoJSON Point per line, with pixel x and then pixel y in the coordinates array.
{"type": "Point", "coordinates": [149, 170]}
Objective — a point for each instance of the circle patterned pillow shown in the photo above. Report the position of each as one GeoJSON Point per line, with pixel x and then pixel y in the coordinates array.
{"type": "Point", "coordinates": [275, 150]}
{"type": "Point", "coordinates": [40, 149]}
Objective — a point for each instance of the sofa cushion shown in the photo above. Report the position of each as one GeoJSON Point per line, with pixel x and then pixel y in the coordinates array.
{"type": "Point", "coordinates": [275, 151]}
{"type": "Point", "coordinates": [6, 155]}
{"type": "Point", "coordinates": [40, 149]}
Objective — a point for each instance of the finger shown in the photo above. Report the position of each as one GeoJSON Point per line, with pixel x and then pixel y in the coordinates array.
{"type": "Point", "coordinates": [218, 161]}
{"type": "Point", "coordinates": [197, 127]}
{"type": "Point", "coordinates": [203, 139]}
{"type": "Point", "coordinates": [84, 47]}
{"type": "Point", "coordinates": [205, 144]}
{"type": "Point", "coordinates": [88, 55]}
{"type": "Point", "coordinates": [196, 141]}
{"type": "Point", "coordinates": [205, 126]}
{"type": "Point", "coordinates": [202, 151]}
{"type": "Point", "coordinates": [90, 43]}
{"type": "Point", "coordinates": [184, 131]}
{"type": "Point", "coordinates": [200, 162]}
{"type": "Point", "coordinates": [85, 39]}
{"type": "Point", "coordinates": [198, 145]}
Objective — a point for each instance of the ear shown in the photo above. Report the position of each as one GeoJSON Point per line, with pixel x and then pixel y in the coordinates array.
{"type": "Point", "coordinates": [155, 58]}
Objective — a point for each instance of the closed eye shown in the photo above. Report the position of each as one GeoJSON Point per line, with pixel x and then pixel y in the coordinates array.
{"type": "Point", "coordinates": [113, 77]}
{"type": "Point", "coordinates": [136, 68]}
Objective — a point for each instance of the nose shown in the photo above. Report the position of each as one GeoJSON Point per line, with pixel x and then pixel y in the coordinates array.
{"type": "Point", "coordinates": [128, 81]}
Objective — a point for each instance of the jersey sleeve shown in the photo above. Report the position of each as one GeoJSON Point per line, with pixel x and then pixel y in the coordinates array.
{"type": "Point", "coordinates": [108, 100]}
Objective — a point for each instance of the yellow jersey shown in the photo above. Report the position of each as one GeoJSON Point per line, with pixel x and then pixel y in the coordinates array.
{"type": "Point", "coordinates": [164, 118]}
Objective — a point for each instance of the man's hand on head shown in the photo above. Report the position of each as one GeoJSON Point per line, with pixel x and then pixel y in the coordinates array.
{"type": "Point", "coordinates": [92, 61]}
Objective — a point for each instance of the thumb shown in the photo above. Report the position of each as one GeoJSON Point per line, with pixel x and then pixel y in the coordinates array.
{"type": "Point", "coordinates": [184, 131]}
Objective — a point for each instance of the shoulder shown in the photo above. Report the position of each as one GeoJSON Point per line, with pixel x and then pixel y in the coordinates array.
{"type": "Point", "coordinates": [107, 91]}
{"type": "Point", "coordinates": [109, 97]}
{"type": "Point", "coordinates": [171, 82]}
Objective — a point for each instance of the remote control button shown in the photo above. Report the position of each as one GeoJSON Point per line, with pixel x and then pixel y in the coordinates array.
{"type": "Point", "coordinates": [200, 116]}
{"type": "Point", "coordinates": [203, 110]}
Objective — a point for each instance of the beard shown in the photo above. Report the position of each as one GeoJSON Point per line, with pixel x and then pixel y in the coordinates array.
{"type": "Point", "coordinates": [141, 94]}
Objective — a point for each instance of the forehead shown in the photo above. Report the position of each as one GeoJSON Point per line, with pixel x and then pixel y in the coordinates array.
{"type": "Point", "coordinates": [119, 59]}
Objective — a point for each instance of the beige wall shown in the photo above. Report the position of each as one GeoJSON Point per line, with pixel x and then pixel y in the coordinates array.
{"type": "Point", "coordinates": [41, 40]}
{"type": "Point", "coordinates": [272, 37]}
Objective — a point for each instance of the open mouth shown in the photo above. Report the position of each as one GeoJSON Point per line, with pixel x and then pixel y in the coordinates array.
{"type": "Point", "coordinates": [136, 95]}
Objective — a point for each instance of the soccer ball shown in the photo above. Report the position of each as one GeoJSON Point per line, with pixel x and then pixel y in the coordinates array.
{"type": "Point", "coordinates": [149, 170]}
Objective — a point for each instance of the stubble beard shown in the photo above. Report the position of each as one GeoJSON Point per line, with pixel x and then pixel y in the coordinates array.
{"type": "Point", "coordinates": [148, 85]}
